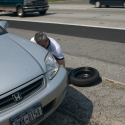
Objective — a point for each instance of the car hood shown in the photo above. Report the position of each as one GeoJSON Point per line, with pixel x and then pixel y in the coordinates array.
{"type": "Point", "coordinates": [20, 61]}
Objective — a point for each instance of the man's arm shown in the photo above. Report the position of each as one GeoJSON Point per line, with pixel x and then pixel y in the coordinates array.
{"type": "Point", "coordinates": [59, 56]}
{"type": "Point", "coordinates": [61, 62]}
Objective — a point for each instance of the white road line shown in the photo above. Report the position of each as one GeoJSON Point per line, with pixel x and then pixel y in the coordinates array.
{"type": "Point", "coordinates": [67, 24]}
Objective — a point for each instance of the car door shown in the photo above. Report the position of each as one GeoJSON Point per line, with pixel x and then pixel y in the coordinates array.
{"type": "Point", "coordinates": [1, 4]}
{"type": "Point", "coordinates": [117, 2]}
{"type": "Point", "coordinates": [10, 5]}
{"type": "Point", "coordinates": [106, 2]}
{"type": "Point", "coordinates": [112, 2]}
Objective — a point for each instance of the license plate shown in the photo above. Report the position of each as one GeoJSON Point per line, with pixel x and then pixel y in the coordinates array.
{"type": "Point", "coordinates": [29, 116]}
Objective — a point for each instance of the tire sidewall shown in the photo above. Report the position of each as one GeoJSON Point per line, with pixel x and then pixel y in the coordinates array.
{"type": "Point", "coordinates": [83, 82]}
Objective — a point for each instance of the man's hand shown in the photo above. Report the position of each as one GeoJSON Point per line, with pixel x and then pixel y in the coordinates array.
{"type": "Point", "coordinates": [61, 62]}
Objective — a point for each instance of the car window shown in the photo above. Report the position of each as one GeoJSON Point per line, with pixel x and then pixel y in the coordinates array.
{"type": "Point", "coordinates": [2, 31]}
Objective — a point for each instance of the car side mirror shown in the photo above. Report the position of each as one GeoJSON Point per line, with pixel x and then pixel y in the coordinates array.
{"type": "Point", "coordinates": [4, 24]}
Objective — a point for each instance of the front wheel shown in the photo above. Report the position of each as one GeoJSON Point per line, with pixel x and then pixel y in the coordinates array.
{"type": "Point", "coordinates": [124, 4]}
{"type": "Point", "coordinates": [20, 11]}
{"type": "Point", "coordinates": [97, 4]}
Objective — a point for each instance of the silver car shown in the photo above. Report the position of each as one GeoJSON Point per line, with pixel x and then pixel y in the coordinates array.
{"type": "Point", "coordinates": [32, 84]}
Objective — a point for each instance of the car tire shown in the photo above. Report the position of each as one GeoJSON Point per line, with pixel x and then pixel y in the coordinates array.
{"type": "Point", "coordinates": [42, 12]}
{"type": "Point", "coordinates": [20, 11]}
{"type": "Point", "coordinates": [124, 4]}
{"type": "Point", "coordinates": [97, 4]}
{"type": "Point", "coordinates": [83, 76]}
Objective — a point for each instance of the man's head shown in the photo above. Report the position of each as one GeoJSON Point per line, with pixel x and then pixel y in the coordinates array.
{"type": "Point", "coordinates": [41, 39]}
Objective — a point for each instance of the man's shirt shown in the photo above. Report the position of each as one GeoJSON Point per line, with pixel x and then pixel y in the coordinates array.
{"type": "Point", "coordinates": [54, 48]}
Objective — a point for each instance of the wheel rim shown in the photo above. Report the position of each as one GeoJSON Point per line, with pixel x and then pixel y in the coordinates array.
{"type": "Point", "coordinates": [97, 4]}
{"type": "Point", "coordinates": [83, 74]}
{"type": "Point", "coordinates": [20, 12]}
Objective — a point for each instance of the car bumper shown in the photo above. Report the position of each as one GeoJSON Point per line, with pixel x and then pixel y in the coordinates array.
{"type": "Point", "coordinates": [35, 8]}
{"type": "Point", "coordinates": [52, 95]}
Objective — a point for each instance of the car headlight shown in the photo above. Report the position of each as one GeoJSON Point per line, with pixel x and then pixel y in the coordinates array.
{"type": "Point", "coordinates": [51, 65]}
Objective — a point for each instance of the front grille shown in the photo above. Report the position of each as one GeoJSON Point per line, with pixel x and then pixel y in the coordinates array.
{"type": "Point", "coordinates": [38, 2]}
{"type": "Point", "coordinates": [25, 92]}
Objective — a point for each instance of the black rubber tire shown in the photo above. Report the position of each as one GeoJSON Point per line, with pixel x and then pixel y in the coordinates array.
{"type": "Point", "coordinates": [83, 76]}
{"type": "Point", "coordinates": [20, 11]}
{"type": "Point", "coordinates": [42, 12]}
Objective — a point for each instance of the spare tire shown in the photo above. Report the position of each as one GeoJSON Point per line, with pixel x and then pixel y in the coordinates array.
{"type": "Point", "coordinates": [83, 76]}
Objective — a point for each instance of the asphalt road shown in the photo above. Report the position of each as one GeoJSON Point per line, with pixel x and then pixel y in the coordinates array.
{"type": "Point", "coordinates": [111, 35]}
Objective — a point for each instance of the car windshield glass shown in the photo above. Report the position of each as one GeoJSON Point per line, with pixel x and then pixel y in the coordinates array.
{"type": "Point", "coordinates": [2, 31]}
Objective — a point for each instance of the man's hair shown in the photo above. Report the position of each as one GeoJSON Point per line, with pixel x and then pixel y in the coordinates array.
{"type": "Point", "coordinates": [40, 37]}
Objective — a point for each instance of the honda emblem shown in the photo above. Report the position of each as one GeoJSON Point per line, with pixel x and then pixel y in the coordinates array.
{"type": "Point", "coordinates": [17, 97]}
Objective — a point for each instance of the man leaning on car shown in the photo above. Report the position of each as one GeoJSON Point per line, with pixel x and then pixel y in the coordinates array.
{"type": "Point", "coordinates": [51, 45]}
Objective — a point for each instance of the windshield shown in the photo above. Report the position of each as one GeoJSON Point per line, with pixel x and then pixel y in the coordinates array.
{"type": "Point", "coordinates": [2, 31]}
